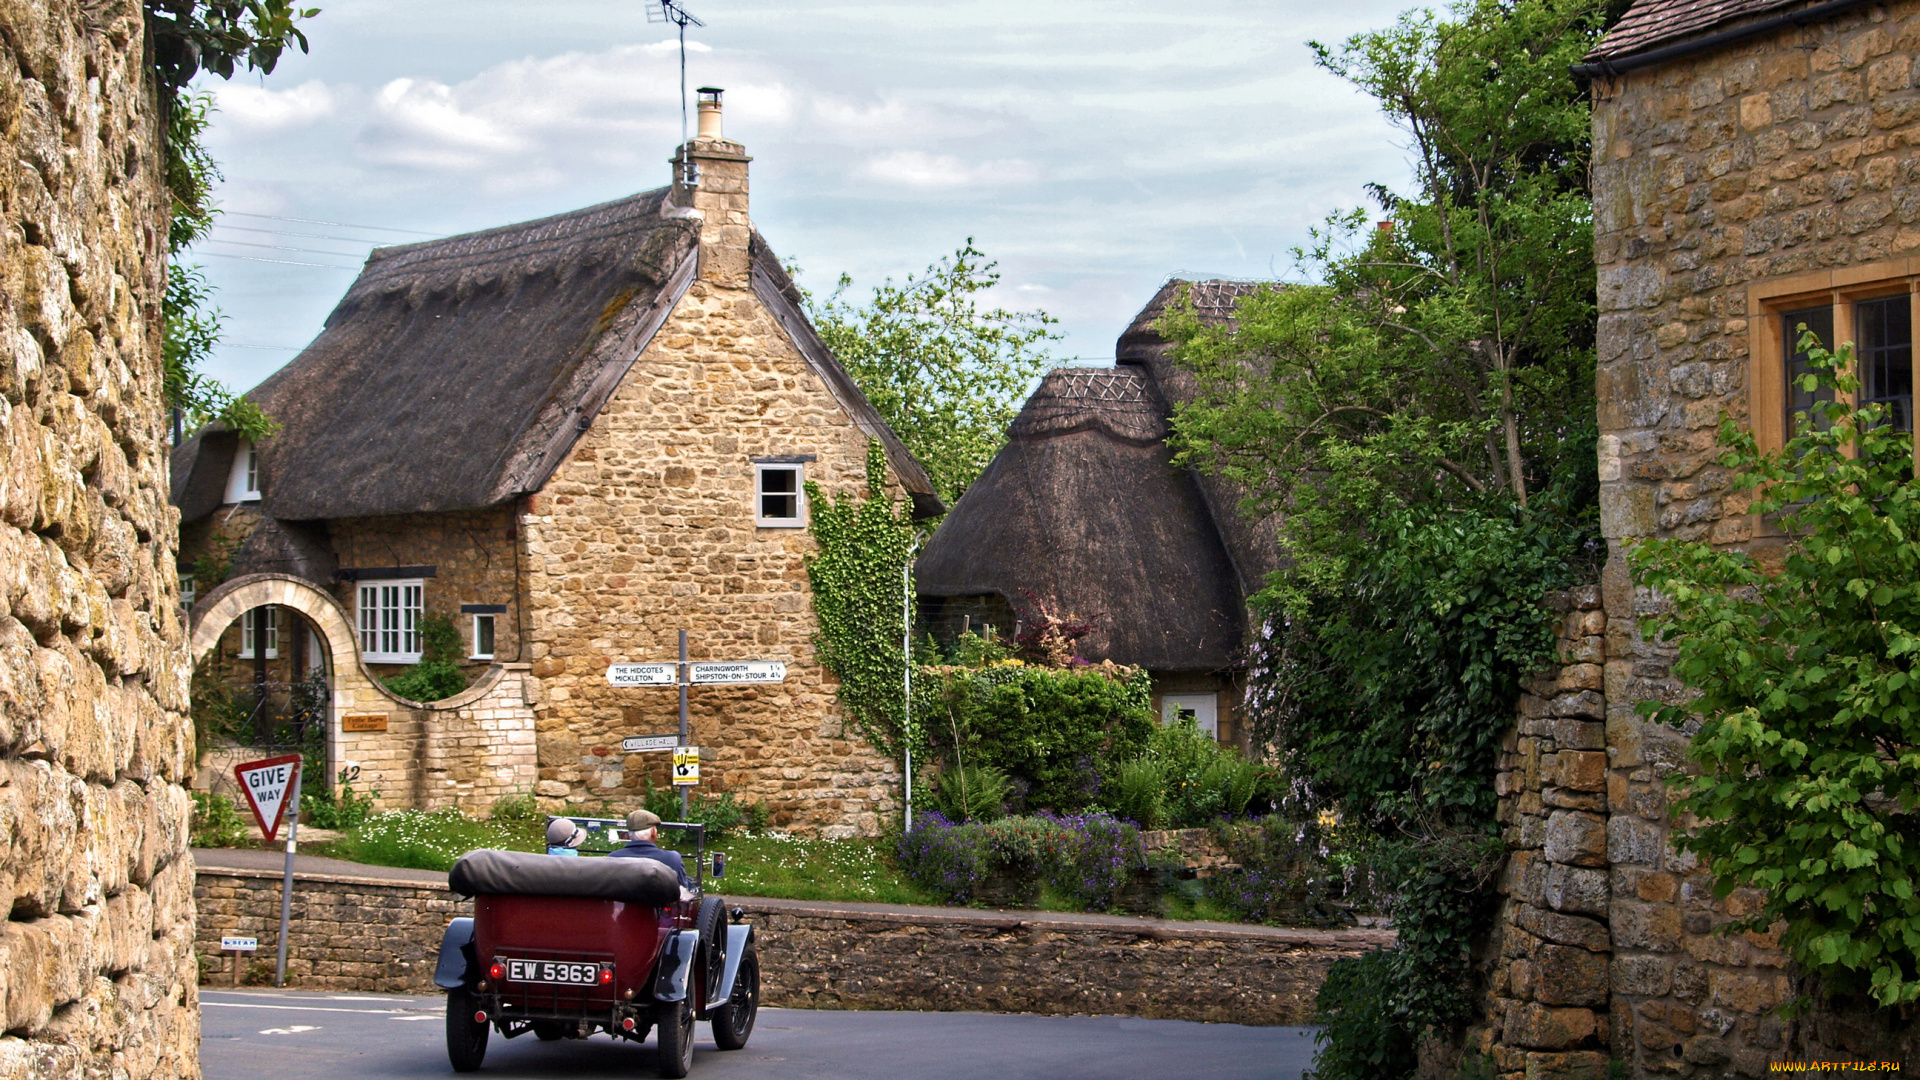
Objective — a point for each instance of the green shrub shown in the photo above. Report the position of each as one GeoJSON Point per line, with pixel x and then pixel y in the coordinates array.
{"type": "Point", "coordinates": [1296, 872]}
{"type": "Point", "coordinates": [1089, 859]}
{"type": "Point", "coordinates": [759, 817]}
{"type": "Point", "coordinates": [1136, 790]}
{"type": "Point", "coordinates": [1356, 1041]}
{"type": "Point", "coordinates": [1052, 731]}
{"type": "Point", "coordinates": [216, 824]}
{"type": "Point", "coordinates": [522, 808]}
{"type": "Point", "coordinates": [721, 814]}
{"type": "Point", "coordinates": [437, 676]}
{"type": "Point", "coordinates": [975, 793]}
{"type": "Point", "coordinates": [322, 809]}
{"type": "Point", "coordinates": [1805, 730]}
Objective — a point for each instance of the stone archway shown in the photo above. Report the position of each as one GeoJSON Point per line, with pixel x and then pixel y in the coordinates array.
{"type": "Point", "coordinates": [466, 751]}
{"type": "Point", "coordinates": [350, 682]}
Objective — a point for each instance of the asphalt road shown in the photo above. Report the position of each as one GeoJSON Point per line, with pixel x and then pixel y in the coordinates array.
{"type": "Point", "coordinates": [293, 1035]}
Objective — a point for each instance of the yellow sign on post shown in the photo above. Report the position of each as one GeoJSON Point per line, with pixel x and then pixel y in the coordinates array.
{"type": "Point", "coordinates": [686, 766]}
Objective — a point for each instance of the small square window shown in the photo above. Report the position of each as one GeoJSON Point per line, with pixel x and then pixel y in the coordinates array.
{"type": "Point", "coordinates": [189, 591]}
{"type": "Point", "coordinates": [779, 496]}
{"type": "Point", "coordinates": [482, 637]}
{"type": "Point", "coordinates": [1202, 709]}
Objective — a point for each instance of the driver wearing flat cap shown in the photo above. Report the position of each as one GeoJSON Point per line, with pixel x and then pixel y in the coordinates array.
{"type": "Point", "coordinates": [643, 828]}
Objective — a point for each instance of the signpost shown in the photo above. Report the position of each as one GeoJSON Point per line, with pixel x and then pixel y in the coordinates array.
{"type": "Point", "coordinates": [686, 759]}
{"type": "Point", "coordinates": [741, 674]}
{"type": "Point", "coordinates": [272, 788]}
{"type": "Point", "coordinates": [236, 944]}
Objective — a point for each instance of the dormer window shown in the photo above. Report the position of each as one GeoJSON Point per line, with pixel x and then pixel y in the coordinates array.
{"type": "Point", "coordinates": [243, 482]}
{"type": "Point", "coordinates": [779, 495]}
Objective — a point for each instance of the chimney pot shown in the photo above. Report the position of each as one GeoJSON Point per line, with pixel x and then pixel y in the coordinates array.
{"type": "Point", "coordinates": [710, 112]}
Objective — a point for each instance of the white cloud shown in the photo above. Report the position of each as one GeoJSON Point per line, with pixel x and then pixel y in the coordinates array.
{"type": "Point", "coordinates": [919, 169]}
{"type": "Point", "coordinates": [256, 110]}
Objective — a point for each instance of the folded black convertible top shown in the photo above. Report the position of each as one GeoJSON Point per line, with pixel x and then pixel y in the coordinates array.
{"type": "Point", "coordinates": [522, 873]}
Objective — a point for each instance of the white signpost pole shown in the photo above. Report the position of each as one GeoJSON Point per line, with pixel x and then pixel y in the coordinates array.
{"type": "Point", "coordinates": [286, 883]}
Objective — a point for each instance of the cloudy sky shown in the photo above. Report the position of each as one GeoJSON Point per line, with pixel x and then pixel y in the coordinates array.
{"type": "Point", "coordinates": [1093, 147]}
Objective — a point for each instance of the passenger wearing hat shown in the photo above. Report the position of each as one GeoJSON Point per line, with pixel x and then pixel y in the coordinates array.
{"type": "Point", "coordinates": [564, 837]}
{"type": "Point", "coordinates": [643, 827]}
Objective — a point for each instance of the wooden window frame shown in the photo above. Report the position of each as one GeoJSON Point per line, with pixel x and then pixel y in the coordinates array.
{"type": "Point", "coordinates": [1768, 348]}
{"type": "Point", "coordinates": [799, 518]}
{"type": "Point", "coordinates": [243, 479]}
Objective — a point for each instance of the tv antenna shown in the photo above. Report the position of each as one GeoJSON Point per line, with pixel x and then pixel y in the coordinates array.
{"type": "Point", "coordinates": [672, 11]}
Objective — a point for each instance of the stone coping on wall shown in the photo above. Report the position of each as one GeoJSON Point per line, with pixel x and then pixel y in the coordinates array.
{"type": "Point", "coordinates": [247, 863]}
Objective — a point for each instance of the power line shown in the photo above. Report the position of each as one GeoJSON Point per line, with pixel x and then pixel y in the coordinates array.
{"type": "Point", "coordinates": [335, 224]}
{"type": "Point", "coordinates": [281, 247]}
{"type": "Point", "coordinates": [276, 348]}
{"type": "Point", "coordinates": [284, 232]}
{"type": "Point", "coordinates": [283, 262]}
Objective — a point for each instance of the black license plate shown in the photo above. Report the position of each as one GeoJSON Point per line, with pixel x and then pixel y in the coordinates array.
{"type": "Point", "coordinates": [559, 972]}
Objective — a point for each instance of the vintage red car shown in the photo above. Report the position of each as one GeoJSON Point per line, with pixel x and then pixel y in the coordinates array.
{"type": "Point", "coordinates": [567, 947]}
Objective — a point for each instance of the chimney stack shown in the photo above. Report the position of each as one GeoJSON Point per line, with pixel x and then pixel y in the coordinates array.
{"type": "Point", "coordinates": [717, 188]}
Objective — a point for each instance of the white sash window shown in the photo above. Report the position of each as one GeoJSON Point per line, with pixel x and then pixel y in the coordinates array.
{"type": "Point", "coordinates": [390, 621]}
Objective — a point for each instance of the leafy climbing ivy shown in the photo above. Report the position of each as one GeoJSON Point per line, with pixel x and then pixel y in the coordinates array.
{"type": "Point", "coordinates": [858, 580]}
{"type": "Point", "coordinates": [1808, 706]}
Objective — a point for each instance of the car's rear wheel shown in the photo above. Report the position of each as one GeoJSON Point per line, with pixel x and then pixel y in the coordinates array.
{"type": "Point", "coordinates": [673, 1052]}
{"type": "Point", "coordinates": [549, 1030]}
{"type": "Point", "coordinates": [466, 1036]}
{"type": "Point", "coordinates": [733, 1021]}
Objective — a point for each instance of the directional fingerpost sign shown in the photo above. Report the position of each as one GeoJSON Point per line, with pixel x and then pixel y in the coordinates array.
{"type": "Point", "coordinates": [640, 744]}
{"type": "Point", "coordinates": [736, 673]}
{"type": "Point", "coordinates": [236, 943]}
{"type": "Point", "coordinates": [686, 766]}
{"type": "Point", "coordinates": [266, 785]}
{"type": "Point", "coordinates": [640, 674]}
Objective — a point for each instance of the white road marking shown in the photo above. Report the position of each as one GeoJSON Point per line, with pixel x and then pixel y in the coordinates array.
{"type": "Point", "coordinates": [428, 1016]}
{"type": "Point", "coordinates": [294, 1030]}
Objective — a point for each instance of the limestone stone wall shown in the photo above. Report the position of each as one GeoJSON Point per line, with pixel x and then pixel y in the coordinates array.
{"type": "Point", "coordinates": [374, 934]}
{"type": "Point", "coordinates": [474, 556]}
{"type": "Point", "coordinates": [1729, 187]}
{"type": "Point", "coordinates": [96, 967]}
{"type": "Point", "coordinates": [648, 528]}
{"type": "Point", "coordinates": [368, 934]}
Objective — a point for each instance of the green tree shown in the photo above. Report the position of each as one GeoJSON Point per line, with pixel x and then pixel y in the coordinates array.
{"type": "Point", "coordinates": [220, 36]}
{"type": "Point", "coordinates": [1445, 358]}
{"type": "Point", "coordinates": [946, 375]}
{"type": "Point", "coordinates": [1417, 419]}
{"type": "Point", "coordinates": [1807, 715]}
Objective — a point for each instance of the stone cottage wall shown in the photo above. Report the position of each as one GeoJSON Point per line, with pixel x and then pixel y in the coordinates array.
{"type": "Point", "coordinates": [648, 528]}
{"type": "Point", "coordinates": [96, 885]}
{"type": "Point", "coordinates": [474, 556]}
{"type": "Point", "coordinates": [1777, 167]}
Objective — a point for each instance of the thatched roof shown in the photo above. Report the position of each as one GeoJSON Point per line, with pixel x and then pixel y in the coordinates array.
{"type": "Point", "coordinates": [1084, 506]}
{"type": "Point", "coordinates": [458, 373]}
{"type": "Point", "coordinates": [1255, 547]}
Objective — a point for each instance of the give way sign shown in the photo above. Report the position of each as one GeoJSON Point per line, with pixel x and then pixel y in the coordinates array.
{"type": "Point", "coordinates": [267, 784]}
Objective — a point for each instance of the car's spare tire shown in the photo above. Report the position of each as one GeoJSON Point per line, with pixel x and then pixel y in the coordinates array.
{"type": "Point", "coordinates": [711, 922]}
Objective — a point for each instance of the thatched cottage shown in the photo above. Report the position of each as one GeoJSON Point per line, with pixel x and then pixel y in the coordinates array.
{"type": "Point", "coordinates": [1083, 509]}
{"type": "Point", "coordinates": [575, 437]}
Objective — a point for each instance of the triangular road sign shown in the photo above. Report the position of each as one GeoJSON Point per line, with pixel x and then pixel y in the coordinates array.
{"type": "Point", "coordinates": [267, 784]}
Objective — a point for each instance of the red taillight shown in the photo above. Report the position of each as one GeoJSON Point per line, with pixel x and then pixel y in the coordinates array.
{"type": "Point", "coordinates": [606, 975]}
{"type": "Point", "coordinates": [480, 1017]}
{"type": "Point", "coordinates": [498, 971]}
{"type": "Point", "coordinates": [627, 1024]}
